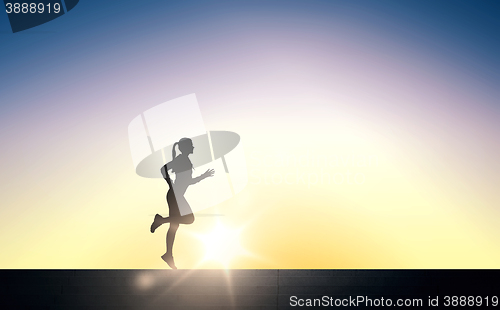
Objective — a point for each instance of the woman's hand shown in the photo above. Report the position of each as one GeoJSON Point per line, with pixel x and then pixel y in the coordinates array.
{"type": "Point", "coordinates": [208, 173]}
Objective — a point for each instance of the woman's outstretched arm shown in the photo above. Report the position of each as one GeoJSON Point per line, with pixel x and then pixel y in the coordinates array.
{"type": "Point", "coordinates": [208, 173]}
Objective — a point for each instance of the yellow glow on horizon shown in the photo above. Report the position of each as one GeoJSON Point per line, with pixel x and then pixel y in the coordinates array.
{"type": "Point", "coordinates": [222, 244]}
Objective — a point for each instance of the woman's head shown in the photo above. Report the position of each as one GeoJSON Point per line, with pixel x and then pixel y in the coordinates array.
{"type": "Point", "coordinates": [185, 146]}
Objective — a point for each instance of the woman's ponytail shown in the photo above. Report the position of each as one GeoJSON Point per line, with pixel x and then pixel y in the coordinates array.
{"type": "Point", "coordinates": [173, 150]}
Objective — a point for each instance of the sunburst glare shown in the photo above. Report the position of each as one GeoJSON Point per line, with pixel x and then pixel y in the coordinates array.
{"type": "Point", "coordinates": [222, 245]}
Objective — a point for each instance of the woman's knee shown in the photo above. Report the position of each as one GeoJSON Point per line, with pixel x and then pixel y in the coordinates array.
{"type": "Point", "coordinates": [188, 219]}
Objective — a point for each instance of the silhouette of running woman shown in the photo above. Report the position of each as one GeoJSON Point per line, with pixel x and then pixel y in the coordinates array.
{"type": "Point", "coordinates": [182, 167]}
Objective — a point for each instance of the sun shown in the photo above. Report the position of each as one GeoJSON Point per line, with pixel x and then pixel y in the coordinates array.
{"type": "Point", "coordinates": [222, 245]}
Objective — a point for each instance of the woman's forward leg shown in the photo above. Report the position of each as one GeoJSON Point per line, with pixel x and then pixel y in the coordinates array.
{"type": "Point", "coordinates": [168, 257]}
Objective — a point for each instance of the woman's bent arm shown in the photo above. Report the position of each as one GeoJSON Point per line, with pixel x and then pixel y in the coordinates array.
{"type": "Point", "coordinates": [164, 173]}
{"type": "Point", "coordinates": [208, 173]}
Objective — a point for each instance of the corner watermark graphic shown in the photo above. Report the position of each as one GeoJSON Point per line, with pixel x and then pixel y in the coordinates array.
{"type": "Point", "coordinates": [28, 14]}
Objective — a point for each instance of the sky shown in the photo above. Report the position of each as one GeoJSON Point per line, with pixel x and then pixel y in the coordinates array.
{"type": "Point", "coordinates": [370, 132]}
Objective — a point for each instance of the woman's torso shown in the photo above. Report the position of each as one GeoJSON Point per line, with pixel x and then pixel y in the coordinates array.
{"type": "Point", "coordinates": [182, 167]}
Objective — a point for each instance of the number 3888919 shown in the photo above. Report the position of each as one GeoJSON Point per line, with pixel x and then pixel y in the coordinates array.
{"type": "Point", "coordinates": [32, 8]}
